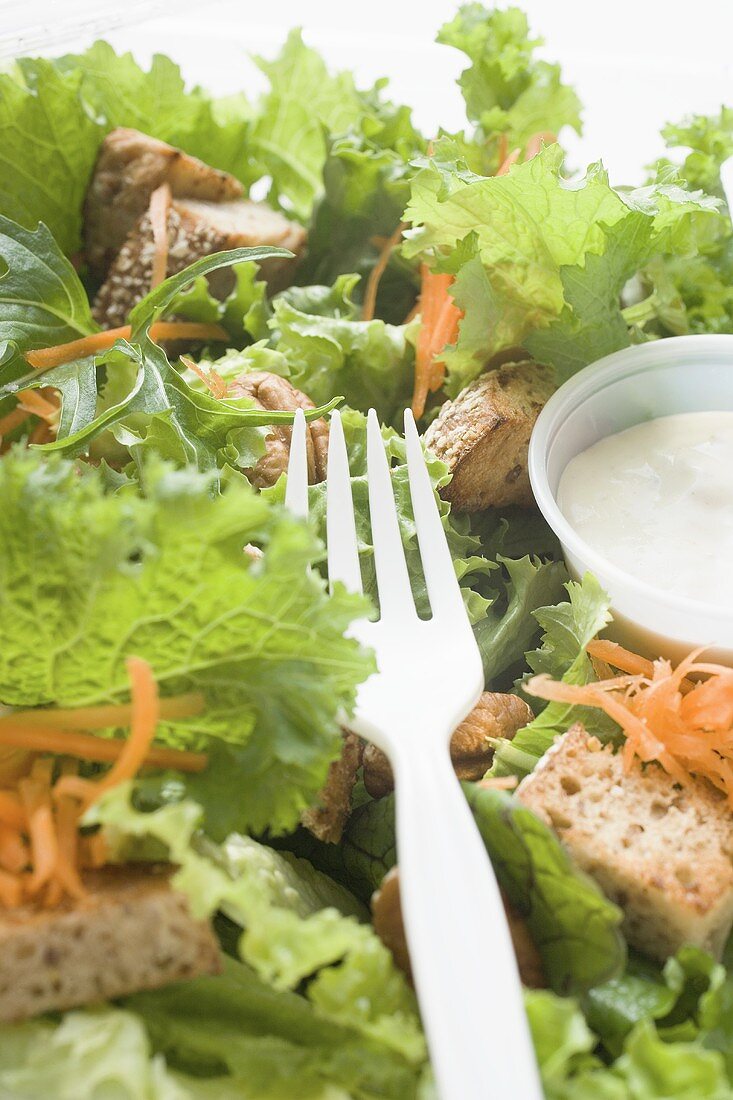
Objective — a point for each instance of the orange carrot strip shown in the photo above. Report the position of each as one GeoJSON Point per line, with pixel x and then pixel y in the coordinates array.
{"type": "Point", "coordinates": [67, 818]}
{"type": "Point", "coordinates": [535, 143]}
{"type": "Point", "coordinates": [445, 332]}
{"type": "Point", "coordinates": [160, 203]}
{"type": "Point", "coordinates": [36, 403]}
{"type": "Point", "coordinates": [12, 420]}
{"type": "Point", "coordinates": [43, 358]}
{"type": "Point", "coordinates": [14, 854]}
{"type": "Point", "coordinates": [375, 275]}
{"type": "Point", "coordinates": [94, 850]}
{"type": "Point", "coordinates": [432, 298]}
{"type": "Point", "coordinates": [614, 654]}
{"type": "Point", "coordinates": [36, 796]}
{"type": "Point", "coordinates": [211, 378]}
{"type": "Point", "coordinates": [102, 717]}
{"type": "Point", "coordinates": [11, 890]}
{"type": "Point", "coordinates": [100, 749]}
{"type": "Point", "coordinates": [508, 162]}
{"type": "Point", "coordinates": [11, 810]}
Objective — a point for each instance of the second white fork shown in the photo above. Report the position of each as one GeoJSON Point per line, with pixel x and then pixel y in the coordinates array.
{"type": "Point", "coordinates": [429, 677]}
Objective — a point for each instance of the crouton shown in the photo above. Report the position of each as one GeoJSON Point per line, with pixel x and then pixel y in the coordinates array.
{"type": "Point", "coordinates": [483, 436]}
{"type": "Point", "coordinates": [495, 715]}
{"type": "Point", "coordinates": [662, 852]}
{"type": "Point", "coordinates": [272, 392]}
{"type": "Point", "coordinates": [131, 932]}
{"type": "Point", "coordinates": [195, 229]}
{"type": "Point", "coordinates": [130, 166]}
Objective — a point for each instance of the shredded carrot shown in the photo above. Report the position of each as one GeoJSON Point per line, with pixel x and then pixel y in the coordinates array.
{"type": "Point", "coordinates": [100, 749]}
{"type": "Point", "coordinates": [12, 420]}
{"type": "Point", "coordinates": [502, 149]}
{"type": "Point", "coordinates": [210, 378]}
{"type": "Point", "coordinates": [47, 408]}
{"type": "Point", "coordinates": [499, 782]}
{"type": "Point", "coordinates": [67, 816]}
{"type": "Point", "coordinates": [535, 143]}
{"type": "Point", "coordinates": [508, 162]}
{"type": "Point", "coordinates": [95, 851]}
{"type": "Point", "coordinates": [14, 854]}
{"type": "Point", "coordinates": [160, 204]}
{"type": "Point", "coordinates": [375, 275]}
{"type": "Point", "coordinates": [614, 654]}
{"type": "Point", "coordinates": [145, 715]}
{"type": "Point", "coordinates": [44, 358]}
{"type": "Point", "coordinates": [99, 718]}
{"type": "Point", "coordinates": [35, 793]}
{"type": "Point", "coordinates": [11, 890]}
{"type": "Point", "coordinates": [11, 810]}
{"type": "Point", "coordinates": [439, 319]}
{"type": "Point", "coordinates": [680, 717]}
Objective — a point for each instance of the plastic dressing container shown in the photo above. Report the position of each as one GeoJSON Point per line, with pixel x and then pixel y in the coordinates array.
{"type": "Point", "coordinates": [676, 375]}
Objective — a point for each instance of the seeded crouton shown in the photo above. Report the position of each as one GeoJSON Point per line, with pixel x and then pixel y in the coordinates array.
{"type": "Point", "coordinates": [131, 932]}
{"type": "Point", "coordinates": [195, 229]}
{"type": "Point", "coordinates": [483, 436]}
{"type": "Point", "coordinates": [326, 820]}
{"type": "Point", "coordinates": [130, 166]}
{"type": "Point", "coordinates": [663, 853]}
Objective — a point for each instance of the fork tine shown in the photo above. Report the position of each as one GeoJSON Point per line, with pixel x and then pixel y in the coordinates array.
{"type": "Point", "coordinates": [440, 576]}
{"type": "Point", "coordinates": [296, 492]}
{"type": "Point", "coordinates": [343, 552]}
{"type": "Point", "coordinates": [393, 581]}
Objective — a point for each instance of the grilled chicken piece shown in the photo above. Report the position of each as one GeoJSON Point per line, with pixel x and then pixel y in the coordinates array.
{"type": "Point", "coordinates": [272, 392]}
{"type": "Point", "coordinates": [483, 436]}
{"type": "Point", "coordinates": [129, 167]}
{"type": "Point", "coordinates": [131, 932]}
{"type": "Point", "coordinates": [195, 229]}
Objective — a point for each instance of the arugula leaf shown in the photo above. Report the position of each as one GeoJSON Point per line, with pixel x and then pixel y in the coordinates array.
{"type": "Point", "coordinates": [507, 91]}
{"type": "Point", "coordinates": [288, 934]}
{"type": "Point", "coordinates": [42, 300]}
{"type": "Point", "coordinates": [567, 629]}
{"type": "Point", "coordinates": [261, 641]}
{"type": "Point", "coordinates": [145, 385]}
{"type": "Point", "coordinates": [539, 258]}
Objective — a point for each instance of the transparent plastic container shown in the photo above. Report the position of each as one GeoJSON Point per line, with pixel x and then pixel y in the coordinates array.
{"type": "Point", "coordinates": [682, 374]}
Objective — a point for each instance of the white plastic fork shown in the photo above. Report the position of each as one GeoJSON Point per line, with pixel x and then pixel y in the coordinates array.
{"type": "Point", "coordinates": [429, 678]}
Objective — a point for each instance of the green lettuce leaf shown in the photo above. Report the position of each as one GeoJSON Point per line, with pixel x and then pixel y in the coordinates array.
{"type": "Point", "coordinates": [573, 925]}
{"type": "Point", "coordinates": [369, 363]}
{"type": "Point", "coordinates": [288, 135]}
{"type": "Point", "coordinates": [287, 935]}
{"type": "Point", "coordinates": [532, 252]}
{"type": "Point", "coordinates": [366, 187]}
{"type": "Point", "coordinates": [508, 92]}
{"type": "Point", "coordinates": [567, 628]}
{"type": "Point", "coordinates": [88, 577]}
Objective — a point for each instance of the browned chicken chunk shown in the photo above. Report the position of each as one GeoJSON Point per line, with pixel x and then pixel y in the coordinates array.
{"type": "Point", "coordinates": [131, 932]}
{"type": "Point", "coordinates": [130, 166]}
{"type": "Point", "coordinates": [483, 436]}
{"type": "Point", "coordinates": [195, 229]}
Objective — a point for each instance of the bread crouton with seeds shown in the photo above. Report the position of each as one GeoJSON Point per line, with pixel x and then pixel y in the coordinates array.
{"type": "Point", "coordinates": [663, 853]}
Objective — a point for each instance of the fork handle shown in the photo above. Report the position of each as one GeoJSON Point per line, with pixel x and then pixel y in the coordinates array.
{"type": "Point", "coordinates": [462, 955]}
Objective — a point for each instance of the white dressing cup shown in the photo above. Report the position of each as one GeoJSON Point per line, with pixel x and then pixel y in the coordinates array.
{"type": "Point", "coordinates": [676, 375]}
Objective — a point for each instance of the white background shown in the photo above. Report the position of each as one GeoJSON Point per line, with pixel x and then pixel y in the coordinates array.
{"type": "Point", "coordinates": [635, 63]}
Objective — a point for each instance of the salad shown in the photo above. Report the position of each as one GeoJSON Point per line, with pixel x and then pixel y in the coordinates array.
{"type": "Point", "coordinates": [199, 894]}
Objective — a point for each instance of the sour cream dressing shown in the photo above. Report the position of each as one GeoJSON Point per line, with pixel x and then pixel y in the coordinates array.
{"type": "Point", "coordinates": [656, 500]}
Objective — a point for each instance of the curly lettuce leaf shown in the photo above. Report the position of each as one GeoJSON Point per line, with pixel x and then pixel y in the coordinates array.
{"type": "Point", "coordinates": [369, 363]}
{"type": "Point", "coordinates": [508, 91]}
{"type": "Point", "coordinates": [540, 261]}
{"type": "Point", "coordinates": [567, 628]}
{"type": "Point", "coordinates": [88, 577]}
{"type": "Point", "coordinates": [287, 935]}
